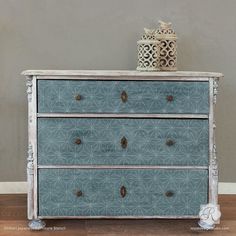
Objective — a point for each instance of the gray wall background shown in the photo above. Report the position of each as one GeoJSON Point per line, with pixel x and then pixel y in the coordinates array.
{"type": "Point", "coordinates": [90, 34]}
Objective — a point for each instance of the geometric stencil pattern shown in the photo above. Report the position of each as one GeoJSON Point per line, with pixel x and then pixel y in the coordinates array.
{"type": "Point", "coordinates": [145, 192]}
{"type": "Point", "coordinates": [105, 96]}
{"type": "Point", "coordinates": [101, 141]}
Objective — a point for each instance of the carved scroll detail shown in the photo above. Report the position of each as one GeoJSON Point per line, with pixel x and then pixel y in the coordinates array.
{"type": "Point", "coordinates": [213, 163]}
{"type": "Point", "coordinates": [30, 118]}
{"type": "Point", "coordinates": [215, 89]}
{"type": "Point", "coordinates": [29, 90]}
{"type": "Point", "coordinates": [30, 160]}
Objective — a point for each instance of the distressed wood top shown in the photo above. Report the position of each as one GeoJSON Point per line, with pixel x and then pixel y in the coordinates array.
{"type": "Point", "coordinates": [119, 73]}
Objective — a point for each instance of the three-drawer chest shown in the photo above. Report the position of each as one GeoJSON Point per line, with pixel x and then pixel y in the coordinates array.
{"type": "Point", "coordinates": [121, 144]}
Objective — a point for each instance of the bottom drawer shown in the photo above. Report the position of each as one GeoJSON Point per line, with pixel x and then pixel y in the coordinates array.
{"type": "Point", "coordinates": [121, 192]}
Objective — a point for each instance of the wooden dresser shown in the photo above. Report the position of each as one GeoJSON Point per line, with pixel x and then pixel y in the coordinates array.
{"type": "Point", "coordinates": [121, 144]}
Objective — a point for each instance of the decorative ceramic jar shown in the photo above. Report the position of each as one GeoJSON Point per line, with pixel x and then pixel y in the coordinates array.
{"type": "Point", "coordinates": [148, 51]}
{"type": "Point", "coordinates": [168, 47]}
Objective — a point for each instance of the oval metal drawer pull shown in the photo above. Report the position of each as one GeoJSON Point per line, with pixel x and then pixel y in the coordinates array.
{"type": "Point", "coordinates": [78, 141]}
{"type": "Point", "coordinates": [123, 191]}
{"type": "Point", "coordinates": [169, 193]}
{"type": "Point", "coordinates": [124, 142]}
{"type": "Point", "coordinates": [170, 142]}
{"type": "Point", "coordinates": [79, 193]}
{"type": "Point", "coordinates": [78, 97]}
{"type": "Point", "coordinates": [169, 98]}
{"type": "Point", "coordinates": [124, 96]}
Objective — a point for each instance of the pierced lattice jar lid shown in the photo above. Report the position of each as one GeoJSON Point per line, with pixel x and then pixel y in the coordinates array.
{"type": "Point", "coordinates": [165, 30]}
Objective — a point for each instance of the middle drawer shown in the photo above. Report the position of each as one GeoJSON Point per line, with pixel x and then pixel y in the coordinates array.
{"type": "Point", "coordinates": [69, 141]}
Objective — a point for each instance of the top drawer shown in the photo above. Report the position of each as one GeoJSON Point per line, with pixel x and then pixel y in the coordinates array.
{"type": "Point", "coordinates": [79, 96]}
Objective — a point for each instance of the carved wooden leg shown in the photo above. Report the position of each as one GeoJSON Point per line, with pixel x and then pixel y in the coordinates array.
{"type": "Point", "coordinates": [209, 216]}
{"type": "Point", "coordinates": [36, 224]}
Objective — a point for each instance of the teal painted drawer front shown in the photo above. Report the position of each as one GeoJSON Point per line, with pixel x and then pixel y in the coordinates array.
{"type": "Point", "coordinates": [105, 96]}
{"type": "Point", "coordinates": [147, 192]}
{"type": "Point", "coordinates": [122, 141]}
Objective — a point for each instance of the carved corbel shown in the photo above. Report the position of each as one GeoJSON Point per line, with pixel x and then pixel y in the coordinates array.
{"type": "Point", "coordinates": [214, 164]}
{"type": "Point", "coordinates": [29, 90]}
{"type": "Point", "coordinates": [30, 160]}
{"type": "Point", "coordinates": [215, 89]}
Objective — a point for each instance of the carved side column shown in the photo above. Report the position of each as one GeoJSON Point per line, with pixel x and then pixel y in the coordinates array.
{"type": "Point", "coordinates": [213, 165]}
{"type": "Point", "coordinates": [30, 158]}
{"type": "Point", "coordinates": [32, 211]}
{"type": "Point", "coordinates": [210, 213]}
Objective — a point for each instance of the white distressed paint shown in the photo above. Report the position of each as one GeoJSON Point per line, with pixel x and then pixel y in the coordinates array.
{"type": "Point", "coordinates": [120, 73]}
{"type": "Point", "coordinates": [122, 115]}
{"type": "Point", "coordinates": [30, 157]}
{"type": "Point", "coordinates": [212, 193]}
{"type": "Point", "coordinates": [121, 167]}
{"type": "Point", "coordinates": [32, 147]}
{"type": "Point", "coordinates": [131, 78]}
